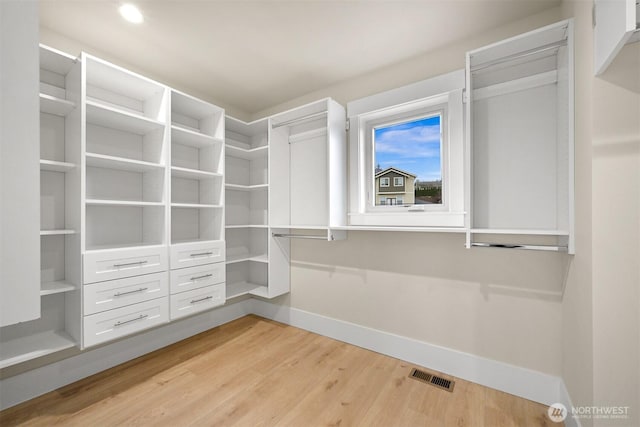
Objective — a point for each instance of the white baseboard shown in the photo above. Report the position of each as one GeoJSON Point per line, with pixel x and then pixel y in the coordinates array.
{"type": "Point", "coordinates": [526, 383]}
{"type": "Point", "coordinates": [522, 382]}
{"type": "Point", "coordinates": [33, 383]}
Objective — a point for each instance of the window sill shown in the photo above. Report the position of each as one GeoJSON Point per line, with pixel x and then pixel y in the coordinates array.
{"type": "Point", "coordinates": [409, 219]}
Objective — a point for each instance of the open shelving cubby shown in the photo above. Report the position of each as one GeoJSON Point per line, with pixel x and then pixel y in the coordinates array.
{"type": "Point", "coordinates": [521, 140]}
{"type": "Point", "coordinates": [125, 158]}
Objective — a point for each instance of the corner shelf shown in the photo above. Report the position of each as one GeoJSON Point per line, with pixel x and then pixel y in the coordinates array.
{"type": "Point", "coordinates": [60, 286]}
{"type": "Point", "coordinates": [246, 154]}
{"type": "Point", "coordinates": [55, 166]}
{"type": "Point", "coordinates": [57, 232]}
{"type": "Point", "coordinates": [30, 347]}
{"type": "Point", "coordinates": [247, 257]}
{"type": "Point", "coordinates": [54, 105]}
{"type": "Point", "coordinates": [245, 288]}
{"type": "Point", "coordinates": [240, 187]}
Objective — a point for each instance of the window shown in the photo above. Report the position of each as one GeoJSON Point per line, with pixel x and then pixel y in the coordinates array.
{"type": "Point", "coordinates": [414, 135]}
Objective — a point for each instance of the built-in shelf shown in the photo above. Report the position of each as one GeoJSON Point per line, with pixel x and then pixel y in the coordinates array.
{"type": "Point", "coordinates": [33, 346]}
{"type": "Point", "coordinates": [397, 228]}
{"type": "Point", "coordinates": [246, 154]}
{"type": "Point", "coordinates": [120, 163]}
{"type": "Point", "coordinates": [115, 118]}
{"type": "Point", "coordinates": [246, 226]}
{"type": "Point", "coordinates": [55, 166]}
{"type": "Point", "coordinates": [57, 287]}
{"type": "Point", "coordinates": [117, 246]}
{"type": "Point", "coordinates": [531, 232]}
{"type": "Point", "coordinates": [239, 187]}
{"type": "Point", "coordinates": [57, 232]}
{"type": "Point", "coordinates": [245, 288]}
{"type": "Point", "coordinates": [54, 105]}
{"type": "Point", "coordinates": [185, 136]}
{"type": "Point", "coordinates": [195, 205]}
{"type": "Point", "coordinates": [100, 202]}
{"type": "Point", "coordinates": [233, 259]}
{"type": "Point", "coordinates": [193, 173]}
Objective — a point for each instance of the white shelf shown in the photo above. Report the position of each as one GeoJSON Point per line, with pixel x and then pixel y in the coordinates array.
{"type": "Point", "coordinates": [56, 232]}
{"type": "Point", "coordinates": [120, 163]}
{"type": "Point", "coordinates": [305, 227]}
{"type": "Point", "coordinates": [232, 226]}
{"type": "Point", "coordinates": [115, 118]}
{"type": "Point", "coordinates": [57, 287]}
{"type": "Point", "coordinates": [33, 346]}
{"type": "Point", "coordinates": [55, 166]}
{"type": "Point", "coordinates": [54, 60]}
{"type": "Point", "coordinates": [195, 205]}
{"type": "Point", "coordinates": [100, 202]}
{"type": "Point", "coordinates": [185, 136]}
{"type": "Point", "coordinates": [520, 231]}
{"type": "Point", "coordinates": [141, 245]}
{"type": "Point", "coordinates": [401, 229]}
{"type": "Point", "coordinates": [239, 187]}
{"type": "Point", "coordinates": [247, 257]}
{"type": "Point", "coordinates": [246, 154]}
{"type": "Point", "coordinates": [244, 288]}
{"type": "Point", "coordinates": [54, 105]}
{"type": "Point", "coordinates": [193, 173]}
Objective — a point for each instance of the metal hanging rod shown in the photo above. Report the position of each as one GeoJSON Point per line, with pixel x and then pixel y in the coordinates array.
{"type": "Point", "coordinates": [300, 119]}
{"type": "Point", "coordinates": [525, 247]}
{"type": "Point", "coordinates": [519, 55]}
{"type": "Point", "coordinates": [301, 236]}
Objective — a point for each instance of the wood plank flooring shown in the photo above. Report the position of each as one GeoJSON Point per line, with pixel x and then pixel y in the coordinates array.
{"type": "Point", "coordinates": [255, 372]}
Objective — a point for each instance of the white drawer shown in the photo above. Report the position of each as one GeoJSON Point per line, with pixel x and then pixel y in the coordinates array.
{"type": "Point", "coordinates": [197, 253]}
{"type": "Point", "coordinates": [121, 292]}
{"type": "Point", "coordinates": [186, 279]}
{"type": "Point", "coordinates": [197, 300]}
{"type": "Point", "coordinates": [112, 264]}
{"type": "Point", "coordinates": [113, 324]}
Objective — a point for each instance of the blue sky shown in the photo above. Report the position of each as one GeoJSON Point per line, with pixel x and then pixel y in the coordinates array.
{"type": "Point", "coordinates": [412, 147]}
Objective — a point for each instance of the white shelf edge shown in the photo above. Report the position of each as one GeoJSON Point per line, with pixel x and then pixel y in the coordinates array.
{"type": "Point", "coordinates": [195, 205]}
{"type": "Point", "coordinates": [60, 286]}
{"type": "Point", "coordinates": [53, 105]}
{"type": "Point", "coordinates": [240, 187]}
{"type": "Point", "coordinates": [33, 346]}
{"type": "Point", "coordinates": [191, 241]}
{"type": "Point", "coordinates": [520, 231]}
{"type": "Point", "coordinates": [246, 153]}
{"type": "Point", "coordinates": [244, 288]}
{"type": "Point", "coordinates": [399, 228]}
{"type": "Point", "coordinates": [181, 172]}
{"type": "Point", "coordinates": [121, 163]}
{"type": "Point", "coordinates": [102, 202]}
{"type": "Point", "coordinates": [304, 227]}
{"type": "Point", "coordinates": [232, 226]}
{"type": "Point", "coordinates": [55, 166]}
{"type": "Point", "coordinates": [263, 258]}
{"type": "Point", "coordinates": [193, 138]}
{"type": "Point", "coordinates": [56, 232]}
{"type": "Point", "coordinates": [147, 124]}
{"type": "Point", "coordinates": [100, 248]}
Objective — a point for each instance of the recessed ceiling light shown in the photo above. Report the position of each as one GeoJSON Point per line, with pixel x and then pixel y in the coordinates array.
{"type": "Point", "coordinates": [131, 13]}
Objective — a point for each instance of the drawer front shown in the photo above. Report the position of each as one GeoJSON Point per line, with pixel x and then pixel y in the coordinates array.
{"type": "Point", "coordinates": [197, 300]}
{"type": "Point", "coordinates": [122, 292]}
{"type": "Point", "coordinates": [186, 279]}
{"type": "Point", "coordinates": [118, 263]}
{"type": "Point", "coordinates": [198, 253]}
{"type": "Point", "coordinates": [118, 323]}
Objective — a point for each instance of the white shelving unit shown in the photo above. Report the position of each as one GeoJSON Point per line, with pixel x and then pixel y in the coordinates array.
{"type": "Point", "coordinates": [197, 177]}
{"type": "Point", "coordinates": [60, 279]}
{"type": "Point", "coordinates": [125, 200]}
{"type": "Point", "coordinates": [616, 23]}
{"type": "Point", "coordinates": [520, 130]}
{"type": "Point", "coordinates": [247, 206]}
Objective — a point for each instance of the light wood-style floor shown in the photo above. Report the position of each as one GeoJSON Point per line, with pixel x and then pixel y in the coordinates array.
{"type": "Point", "coordinates": [255, 372]}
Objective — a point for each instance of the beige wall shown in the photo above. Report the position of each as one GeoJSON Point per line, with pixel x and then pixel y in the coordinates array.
{"type": "Point", "coordinates": [503, 305]}
{"type": "Point", "coordinates": [616, 235]}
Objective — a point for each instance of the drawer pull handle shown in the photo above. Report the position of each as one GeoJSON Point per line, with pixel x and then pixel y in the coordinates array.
{"type": "Point", "coordinates": [130, 263]}
{"type": "Point", "coordinates": [119, 294]}
{"type": "Point", "coordinates": [201, 299]}
{"type": "Point", "coordinates": [119, 323]}
{"type": "Point", "coordinates": [202, 254]}
{"type": "Point", "coordinates": [201, 277]}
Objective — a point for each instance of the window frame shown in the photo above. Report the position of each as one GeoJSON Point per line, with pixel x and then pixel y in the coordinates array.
{"type": "Point", "coordinates": [440, 93]}
{"type": "Point", "coordinates": [386, 178]}
{"type": "Point", "coordinates": [401, 178]}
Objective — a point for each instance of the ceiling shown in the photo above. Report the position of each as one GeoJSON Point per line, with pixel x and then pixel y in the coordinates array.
{"type": "Point", "coordinates": [252, 55]}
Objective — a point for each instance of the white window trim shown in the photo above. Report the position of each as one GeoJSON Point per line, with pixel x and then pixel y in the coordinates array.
{"type": "Point", "coordinates": [401, 179]}
{"type": "Point", "coordinates": [386, 178]}
{"type": "Point", "coordinates": [444, 91]}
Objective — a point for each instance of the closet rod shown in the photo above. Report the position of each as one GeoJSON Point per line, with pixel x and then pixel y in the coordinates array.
{"type": "Point", "coordinates": [519, 55]}
{"type": "Point", "coordinates": [300, 236]}
{"type": "Point", "coordinates": [525, 247]}
{"type": "Point", "coordinates": [300, 119]}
